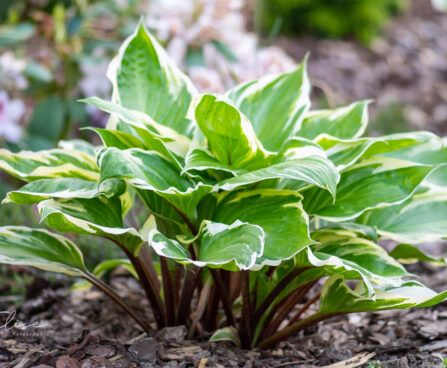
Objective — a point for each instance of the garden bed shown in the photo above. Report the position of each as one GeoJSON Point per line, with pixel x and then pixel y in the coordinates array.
{"type": "Point", "coordinates": [89, 330]}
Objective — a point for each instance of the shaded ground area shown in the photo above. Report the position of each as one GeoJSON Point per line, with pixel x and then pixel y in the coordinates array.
{"type": "Point", "coordinates": [85, 329]}
{"type": "Point", "coordinates": [404, 72]}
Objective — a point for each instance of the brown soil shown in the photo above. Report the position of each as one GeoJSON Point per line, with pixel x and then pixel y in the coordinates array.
{"type": "Point", "coordinates": [85, 329]}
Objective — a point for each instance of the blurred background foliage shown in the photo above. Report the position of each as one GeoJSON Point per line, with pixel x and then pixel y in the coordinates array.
{"type": "Point", "coordinates": [329, 18]}
{"type": "Point", "coordinates": [54, 52]}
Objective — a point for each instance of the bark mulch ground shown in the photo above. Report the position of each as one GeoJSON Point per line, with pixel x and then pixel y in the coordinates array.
{"type": "Point", "coordinates": [85, 329]}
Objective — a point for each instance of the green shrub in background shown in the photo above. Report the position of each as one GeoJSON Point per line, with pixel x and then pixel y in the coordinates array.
{"type": "Point", "coordinates": [362, 19]}
{"type": "Point", "coordinates": [51, 53]}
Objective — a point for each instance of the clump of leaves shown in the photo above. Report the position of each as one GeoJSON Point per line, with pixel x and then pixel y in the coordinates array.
{"type": "Point", "coordinates": [260, 210]}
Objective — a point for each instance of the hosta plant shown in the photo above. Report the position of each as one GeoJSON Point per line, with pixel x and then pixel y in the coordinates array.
{"type": "Point", "coordinates": [263, 217]}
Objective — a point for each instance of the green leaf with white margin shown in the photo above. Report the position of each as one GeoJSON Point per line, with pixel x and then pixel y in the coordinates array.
{"type": "Point", "coordinates": [278, 212]}
{"type": "Point", "coordinates": [201, 158]}
{"type": "Point", "coordinates": [275, 105]}
{"type": "Point", "coordinates": [226, 334]}
{"type": "Point", "coordinates": [421, 218]}
{"type": "Point", "coordinates": [307, 171]}
{"type": "Point", "coordinates": [346, 152]}
{"type": "Point", "coordinates": [97, 216]}
{"type": "Point", "coordinates": [372, 183]}
{"type": "Point", "coordinates": [78, 145]}
{"type": "Point", "coordinates": [230, 136]}
{"type": "Point", "coordinates": [338, 298]}
{"type": "Point", "coordinates": [143, 124]}
{"type": "Point", "coordinates": [39, 190]}
{"type": "Point", "coordinates": [155, 137]}
{"type": "Point", "coordinates": [342, 251]}
{"type": "Point", "coordinates": [103, 268]}
{"type": "Point", "coordinates": [344, 122]}
{"type": "Point", "coordinates": [162, 210]}
{"type": "Point", "coordinates": [437, 179]}
{"type": "Point", "coordinates": [232, 247]}
{"type": "Point", "coordinates": [360, 230]}
{"type": "Point", "coordinates": [407, 253]}
{"type": "Point", "coordinates": [148, 170]}
{"type": "Point", "coordinates": [300, 162]}
{"type": "Point", "coordinates": [118, 139]}
{"type": "Point", "coordinates": [144, 78]}
{"type": "Point", "coordinates": [110, 264]}
{"type": "Point", "coordinates": [40, 248]}
{"type": "Point", "coordinates": [430, 152]}
{"type": "Point", "coordinates": [54, 163]}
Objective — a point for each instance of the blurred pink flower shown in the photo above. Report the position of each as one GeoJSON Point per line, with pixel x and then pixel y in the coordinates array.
{"type": "Point", "coordinates": [186, 25]}
{"type": "Point", "coordinates": [10, 113]}
{"type": "Point", "coordinates": [11, 70]}
{"type": "Point", "coordinates": [94, 81]}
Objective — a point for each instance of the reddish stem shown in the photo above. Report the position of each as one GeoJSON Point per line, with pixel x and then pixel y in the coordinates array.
{"type": "Point", "coordinates": [294, 329]}
{"type": "Point", "coordinates": [168, 292]}
{"type": "Point", "coordinates": [189, 285]}
{"type": "Point", "coordinates": [224, 297]}
{"type": "Point", "coordinates": [304, 308]}
{"type": "Point", "coordinates": [149, 285]}
{"type": "Point", "coordinates": [245, 331]}
{"type": "Point", "coordinates": [275, 293]}
{"type": "Point", "coordinates": [285, 309]}
{"type": "Point", "coordinates": [213, 307]}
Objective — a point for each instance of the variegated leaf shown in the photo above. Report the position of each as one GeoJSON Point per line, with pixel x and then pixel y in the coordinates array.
{"type": "Point", "coordinates": [275, 105]}
{"type": "Point", "coordinates": [342, 251]}
{"type": "Point", "coordinates": [39, 248]}
{"type": "Point", "coordinates": [372, 183]}
{"type": "Point", "coordinates": [429, 152]}
{"type": "Point", "coordinates": [277, 212]}
{"type": "Point", "coordinates": [148, 170]}
{"type": "Point", "coordinates": [200, 159]}
{"type": "Point", "coordinates": [345, 122]}
{"type": "Point", "coordinates": [144, 78]}
{"type": "Point", "coordinates": [337, 297]}
{"type": "Point", "coordinates": [39, 190]}
{"type": "Point", "coordinates": [118, 139]}
{"type": "Point", "coordinates": [230, 136]}
{"type": "Point", "coordinates": [97, 216]}
{"type": "Point", "coordinates": [421, 218]}
{"type": "Point", "coordinates": [78, 145]}
{"type": "Point", "coordinates": [363, 231]}
{"type": "Point", "coordinates": [232, 247]}
{"type": "Point", "coordinates": [153, 136]}
{"type": "Point", "coordinates": [346, 152]}
{"type": "Point", "coordinates": [54, 163]}
{"type": "Point", "coordinates": [143, 124]}
{"type": "Point", "coordinates": [407, 253]}
{"type": "Point", "coordinates": [314, 170]}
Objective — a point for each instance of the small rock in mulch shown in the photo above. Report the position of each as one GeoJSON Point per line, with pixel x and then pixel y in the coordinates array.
{"type": "Point", "coordinates": [172, 334]}
{"type": "Point", "coordinates": [145, 350]}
